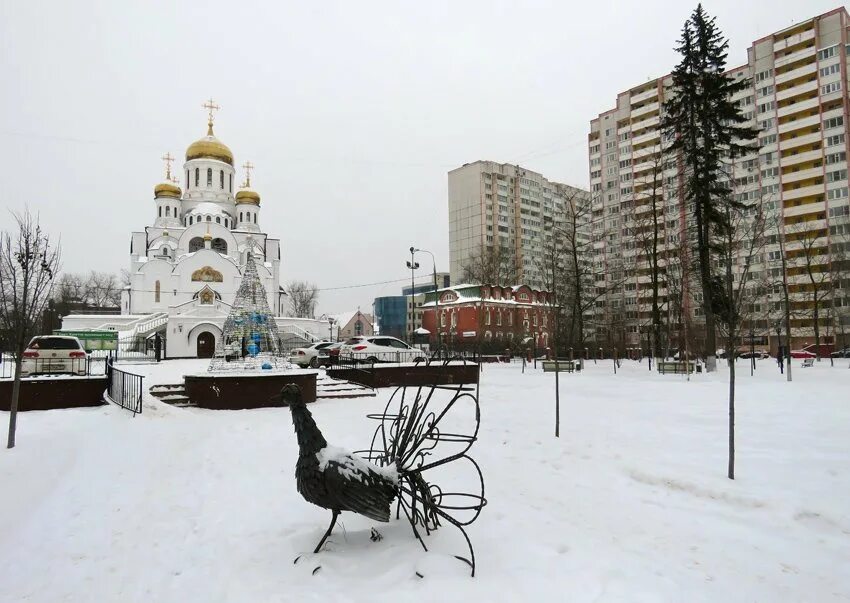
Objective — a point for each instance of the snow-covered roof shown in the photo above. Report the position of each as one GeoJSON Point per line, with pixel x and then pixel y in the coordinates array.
{"type": "Point", "coordinates": [207, 207]}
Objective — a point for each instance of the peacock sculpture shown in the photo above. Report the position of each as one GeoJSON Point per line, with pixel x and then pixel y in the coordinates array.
{"type": "Point", "coordinates": [422, 430]}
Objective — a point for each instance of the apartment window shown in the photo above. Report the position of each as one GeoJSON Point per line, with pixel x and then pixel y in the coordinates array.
{"type": "Point", "coordinates": [836, 193]}
{"type": "Point", "coordinates": [830, 88]}
{"type": "Point", "coordinates": [764, 75]}
{"type": "Point", "coordinates": [836, 176]}
{"type": "Point", "coordinates": [827, 53]}
{"type": "Point", "coordinates": [766, 140]}
{"type": "Point", "coordinates": [830, 70]}
{"type": "Point", "coordinates": [766, 124]}
{"type": "Point", "coordinates": [766, 90]}
{"type": "Point", "coordinates": [770, 172]}
{"type": "Point", "coordinates": [767, 158]}
{"type": "Point", "coordinates": [836, 158]}
{"type": "Point", "coordinates": [610, 144]}
{"type": "Point", "coordinates": [833, 122]}
{"type": "Point", "coordinates": [831, 141]}
{"type": "Point", "coordinates": [765, 107]}
{"type": "Point", "coordinates": [625, 177]}
{"type": "Point", "coordinates": [594, 148]}
{"type": "Point", "coordinates": [838, 212]}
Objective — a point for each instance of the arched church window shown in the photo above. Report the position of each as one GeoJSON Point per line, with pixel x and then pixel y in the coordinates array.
{"type": "Point", "coordinates": [219, 245]}
{"type": "Point", "coordinates": [218, 219]}
{"type": "Point", "coordinates": [160, 212]}
{"type": "Point", "coordinates": [197, 177]}
{"type": "Point", "coordinates": [255, 217]}
{"type": "Point", "coordinates": [167, 211]}
{"type": "Point", "coordinates": [209, 218]}
{"type": "Point", "coordinates": [156, 292]}
{"type": "Point", "coordinates": [225, 223]}
{"type": "Point", "coordinates": [221, 179]}
{"type": "Point", "coordinates": [209, 176]}
{"type": "Point", "coordinates": [190, 220]}
{"type": "Point", "coordinates": [231, 183]}
{"type": "Point", "coordinates": [241, 217]}
{"type": "Point", "coordinates": [195, 244]}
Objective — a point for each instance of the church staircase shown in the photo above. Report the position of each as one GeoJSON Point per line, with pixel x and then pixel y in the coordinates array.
{"type": "Point", "coordinates": [171, 393]}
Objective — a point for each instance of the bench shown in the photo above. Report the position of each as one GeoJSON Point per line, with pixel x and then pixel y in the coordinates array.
{"type": "Point", "coordinates": [665, 367]}
{"type": "Point", "coordinates": [808, 362]}
{"type": "Point", "coordinates": [564, 366]}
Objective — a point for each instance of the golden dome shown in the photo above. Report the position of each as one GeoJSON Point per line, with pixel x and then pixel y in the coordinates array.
{"type": "Point", "coordinates": [246, 195]}
{"type": "Point", "coordinates": [167, 189]}
{"type": "Point", "coordinates": [207, 236]}
{"type": "Point", "coordinates": [209, 147]}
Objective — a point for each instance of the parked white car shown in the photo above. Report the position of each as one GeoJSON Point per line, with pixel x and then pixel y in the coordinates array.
{"type": "Point", "coordinates": [51, 354]}
{"type": "Point", "coordinates": [379, 349]}
{"type": "Point", "coordinates": [308, 356]}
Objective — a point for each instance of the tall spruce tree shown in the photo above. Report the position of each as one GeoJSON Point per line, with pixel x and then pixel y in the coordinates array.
{"type": "Point", "coordinates": [707, 131]}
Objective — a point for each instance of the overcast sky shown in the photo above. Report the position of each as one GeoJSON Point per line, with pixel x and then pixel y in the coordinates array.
{"type": "Point", "coordinates": [352, 112]}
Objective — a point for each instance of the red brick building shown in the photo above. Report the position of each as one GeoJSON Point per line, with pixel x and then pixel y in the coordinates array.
{"type": "Point", "coordinates": [490, 316]}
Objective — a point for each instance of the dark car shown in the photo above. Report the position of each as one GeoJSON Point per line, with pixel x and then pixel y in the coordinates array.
{"type": "Point", "coordinates": [842, 353]}
{"type": "Point", "coordinates": [330, 355]}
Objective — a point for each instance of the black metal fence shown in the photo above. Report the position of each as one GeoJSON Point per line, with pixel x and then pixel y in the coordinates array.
{"type": "Point", "coordinates": [124, 388]}
{"type": "Point", "coordinates": [36, 367]}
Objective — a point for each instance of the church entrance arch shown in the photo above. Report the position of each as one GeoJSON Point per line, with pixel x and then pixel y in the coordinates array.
{"type": "Point", "coordinates": [206, 344]}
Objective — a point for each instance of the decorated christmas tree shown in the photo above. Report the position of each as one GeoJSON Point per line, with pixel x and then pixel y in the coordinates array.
{"type": "Point", "coordinates": [250, 339]}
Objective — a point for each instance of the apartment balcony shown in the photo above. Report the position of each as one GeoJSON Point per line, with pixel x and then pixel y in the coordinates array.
{"type": "Point", "coordinates": [803, 36]}
{"type": "Point", "coordinates": [797, 90]}
{"type": "Point", "coordinates": [645, 110]}
{"type": "Point", "coordinates": [803, 191]}
{"type": "Point", "coordinates": [798, 107]}
{"type": "Point", "coordinates": [654, 135]}
{"type": "Point", "coordinates": [788, 178]}
{"type": "Point", "coordinates": [797, 124]}
{"type": "Point", "coordinates": [646, 123]}
{"type": "Point", "coordinates": [801, 158]}
{"type": "Point", "coordinates": [800, 210]}
{"type": "Point", "coordinates": [805, 53]}
{"type": "Point", "coordinates": [805, 226]}
{"type": "Point", "coordinates": [807, 69]}
{"type": "Point", "coordinates": [799, 141]}
{"type": "Point", "coordinates": [643, 153]}
{"type": "Point", "coordinates": [638, 98]}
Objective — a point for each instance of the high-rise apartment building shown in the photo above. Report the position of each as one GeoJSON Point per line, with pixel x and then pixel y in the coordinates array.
{"type": "Point", "coordinates": [507, 210]}
{"type": "Point", "coordinates": [798, 174]}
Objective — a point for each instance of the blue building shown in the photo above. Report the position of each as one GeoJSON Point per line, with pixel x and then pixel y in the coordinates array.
{"type": "Point", "coordinates": [390, 314]}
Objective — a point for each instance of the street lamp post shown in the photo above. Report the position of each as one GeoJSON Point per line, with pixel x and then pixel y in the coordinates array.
{"type": "Point", "coordinates": [413, 266]}
{"type": "Point", "coordinates": [436, 294]}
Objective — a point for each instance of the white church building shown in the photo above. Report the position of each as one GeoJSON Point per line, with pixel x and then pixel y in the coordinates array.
{"type": "Point", "coordinates": [186, 267]}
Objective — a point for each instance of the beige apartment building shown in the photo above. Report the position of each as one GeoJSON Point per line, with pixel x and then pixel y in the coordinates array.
{"type": "Point", "coordinates": [503, 206]}
{"type": "Point", "coordinates": [798, 100]}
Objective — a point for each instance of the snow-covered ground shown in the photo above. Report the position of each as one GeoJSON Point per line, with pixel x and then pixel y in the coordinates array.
{"type": "Point", "coordinates": [630, 504]}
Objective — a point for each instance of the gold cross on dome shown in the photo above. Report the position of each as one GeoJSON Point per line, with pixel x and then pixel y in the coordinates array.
{"type": "Point", "coordinates": [248, 166]}
{"type": "Point", "coordinates": [167, 158]}
{"type": "Point", "coordinates": [211, 106]}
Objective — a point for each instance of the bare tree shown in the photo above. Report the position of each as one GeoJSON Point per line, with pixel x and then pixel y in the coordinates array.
{"type": "Point", "coordinates": [303, 298]}
{"type": "Point", "coordinates": [491, 265]}
{"type": "Point", "coordinates": [28, 263]}
{"type": "Point", "coordinates": [743, 238]}
{"type": "Point", "coordinates": [649, 231]}
{"type": "Point", "coordinates": [102, 290]}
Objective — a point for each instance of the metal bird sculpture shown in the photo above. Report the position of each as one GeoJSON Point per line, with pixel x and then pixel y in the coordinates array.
{"type": "Point", "coordinates": [408, 447]}
{"type": "Point", "coordinates": [333, 478]}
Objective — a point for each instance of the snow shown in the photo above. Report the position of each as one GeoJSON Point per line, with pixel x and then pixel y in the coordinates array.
{"type": "Point", "coordinates": [352, 465]}
{"type": "Point", "coordinates": [631, 503]}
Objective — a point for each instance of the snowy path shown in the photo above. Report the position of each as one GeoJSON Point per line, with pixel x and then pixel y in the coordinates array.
{"type": "Point", "coordinates": [631, 504]}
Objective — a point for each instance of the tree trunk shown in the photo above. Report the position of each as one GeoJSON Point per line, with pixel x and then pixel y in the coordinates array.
{"type": "Point", "coordinates": [13, 407]}
{"type": "Point", "coordinates": [731, 469]}
{"type": "Point", "coordinates": [816, 316]}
